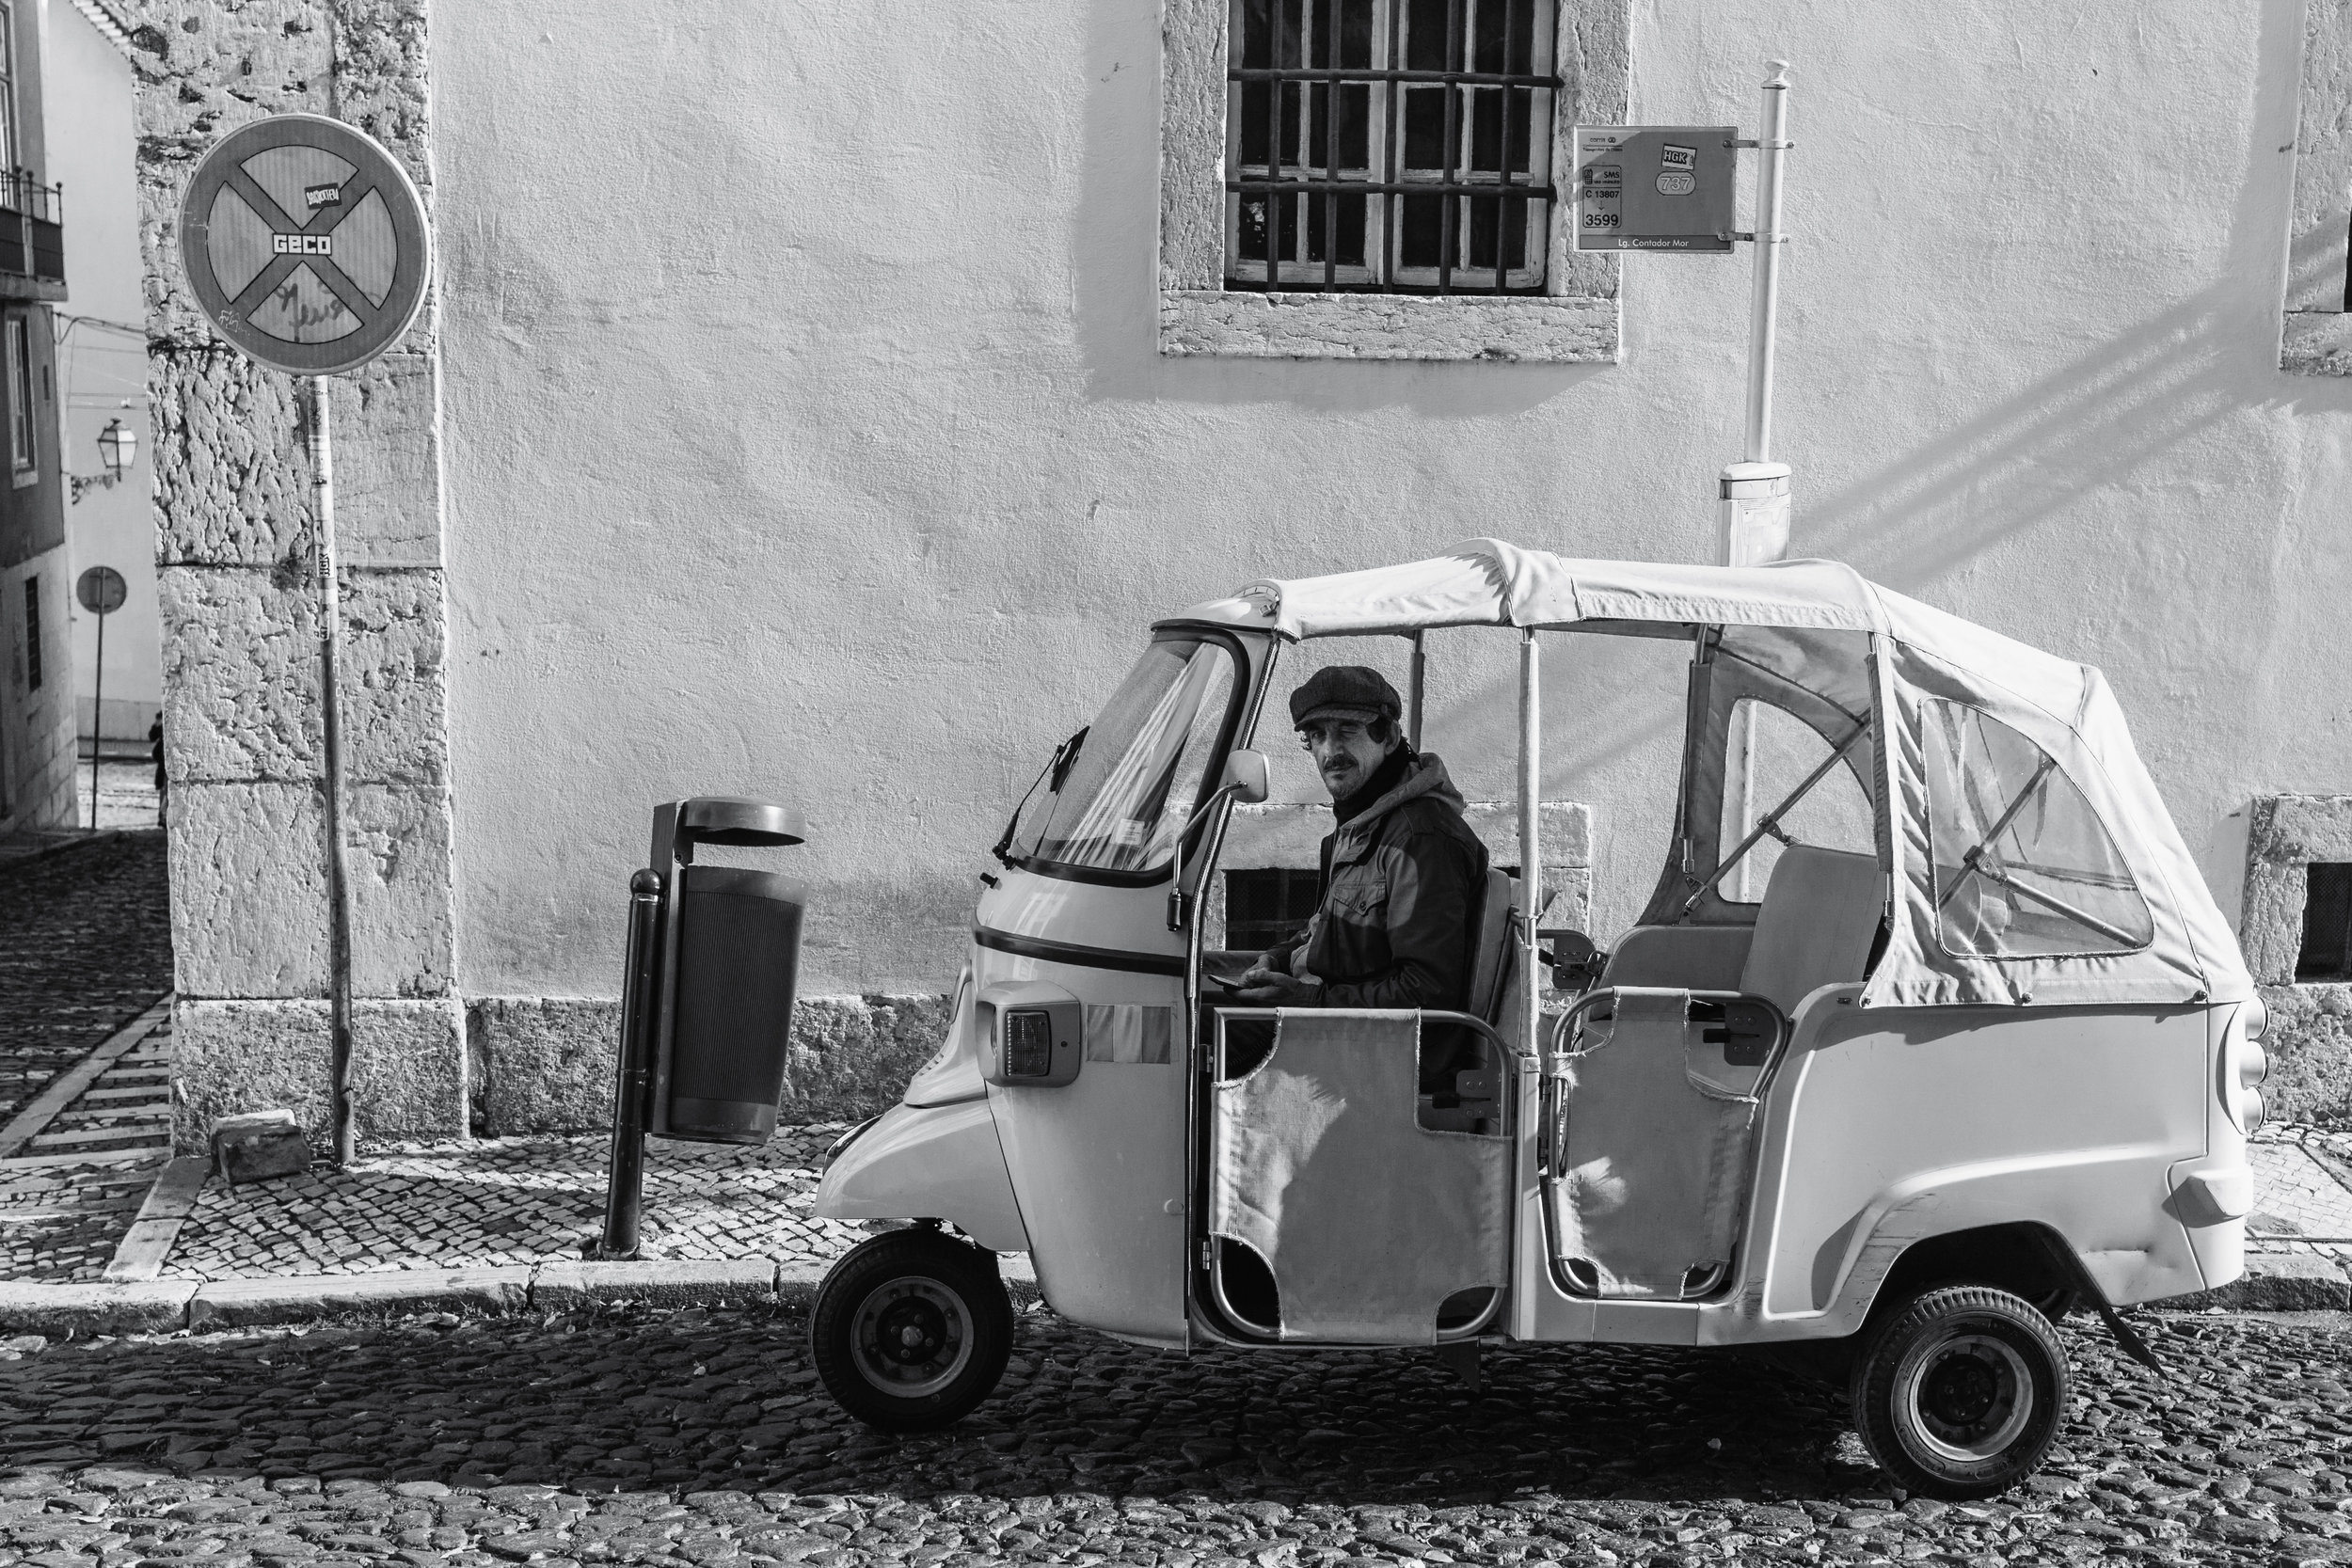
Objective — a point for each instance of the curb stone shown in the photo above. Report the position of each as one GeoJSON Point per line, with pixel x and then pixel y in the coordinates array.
{"type": "Point", "coordinates": [2276, 1282]}
{"type": "Point", "coordinates": [66, 1312]}
{"type": "Point", "coordinates": [243, 1302]}
{"type": "Point", "coordinates": [654, 1282]}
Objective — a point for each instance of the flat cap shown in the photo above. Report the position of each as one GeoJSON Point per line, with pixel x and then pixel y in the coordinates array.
{"type": "Point", "coordinates": [1352, 691]}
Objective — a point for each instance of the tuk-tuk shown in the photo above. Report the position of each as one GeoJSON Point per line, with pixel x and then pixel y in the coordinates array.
{"type": "Point", "coordinates": [1993, 1059]}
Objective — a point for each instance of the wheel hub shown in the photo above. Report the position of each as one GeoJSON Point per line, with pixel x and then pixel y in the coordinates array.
{"type": "Point", "coordinates": [912, 1335]}
{"type": "Point", "coordinates": [1967, 1397]}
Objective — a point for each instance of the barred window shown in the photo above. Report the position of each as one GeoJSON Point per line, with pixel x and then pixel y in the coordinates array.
{"type": "Point", "coordinates": [1389, 146]}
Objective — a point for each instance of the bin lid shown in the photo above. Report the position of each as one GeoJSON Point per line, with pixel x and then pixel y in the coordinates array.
{"type": "Point", "coordinates": [738, 819]}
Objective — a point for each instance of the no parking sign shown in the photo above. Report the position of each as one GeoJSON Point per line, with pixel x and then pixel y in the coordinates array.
{"type": "Point", "coordinates": [306, 243]}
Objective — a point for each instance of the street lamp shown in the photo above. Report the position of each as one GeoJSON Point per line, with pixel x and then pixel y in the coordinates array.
{"type": "Point", "coordinates": [117, 447]}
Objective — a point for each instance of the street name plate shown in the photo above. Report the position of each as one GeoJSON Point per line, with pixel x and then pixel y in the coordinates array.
{"type": "Point", "coordinates": [305, 243]}
{"type": "Point", "coordinates": [1655, 187]}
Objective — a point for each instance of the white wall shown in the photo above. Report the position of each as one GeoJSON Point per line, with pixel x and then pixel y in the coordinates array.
{"type": "Point", "coordinates": [102, 368]}
{"type": "Point", "coordinates": [806, 435]}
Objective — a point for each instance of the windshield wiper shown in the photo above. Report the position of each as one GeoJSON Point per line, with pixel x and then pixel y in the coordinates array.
{"type": "Point", "coordinates": [1057, 767]}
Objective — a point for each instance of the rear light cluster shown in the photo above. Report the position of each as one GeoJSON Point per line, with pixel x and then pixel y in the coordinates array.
{"type": "Point", "coordinates": [1028, 1043]}
{"type": "Point", "coordinates": [2244, 1066]}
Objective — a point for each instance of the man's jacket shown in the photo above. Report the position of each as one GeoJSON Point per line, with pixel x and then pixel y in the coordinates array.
{"type": "Point", "coordinates": [1403, 884]}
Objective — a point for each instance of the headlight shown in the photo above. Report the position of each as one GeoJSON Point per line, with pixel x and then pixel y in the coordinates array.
{"type": "Point", "coordinates": [1028, 1043]}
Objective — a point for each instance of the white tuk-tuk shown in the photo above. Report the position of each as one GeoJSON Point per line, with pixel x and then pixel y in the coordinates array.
{"type": "Point", "coordinates": [1993, 1060]}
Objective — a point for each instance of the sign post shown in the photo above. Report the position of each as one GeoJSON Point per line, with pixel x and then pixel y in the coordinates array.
{"type": "Point", "coordinates": [307, 248]}
{"type": "Point", "coordinates": [101, 590]}
{"type": "Point", "coordinates": [1669, 188]}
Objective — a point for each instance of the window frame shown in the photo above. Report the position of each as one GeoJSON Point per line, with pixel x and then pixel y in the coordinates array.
{"type": "Point", "coordinates": [9, 143]}
{"type": "Point", "coordinates": [23, 414]}
{"type": "Point", "coordinates": [1296, 94]}
{"type": "Point", "coordinates": [33, 670]}
{"type": "Point", "coordinates": [2315, 326]}
{"type": "Point", "coordinates": [1574, 319]}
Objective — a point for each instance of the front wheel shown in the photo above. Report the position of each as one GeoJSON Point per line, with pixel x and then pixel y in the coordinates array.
{"type": "Point", "coordinates": [1960, 1393]}
{"type": "Point", "coordinates": [911, 1330]}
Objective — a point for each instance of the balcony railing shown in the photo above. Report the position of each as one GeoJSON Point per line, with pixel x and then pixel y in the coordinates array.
{"type": "Point", "coordinates": [32, 228]}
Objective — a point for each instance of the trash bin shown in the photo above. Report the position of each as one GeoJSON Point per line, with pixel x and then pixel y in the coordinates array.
{"type": "Point", "coordinates": [714, 953]}
{"type": "Point", "coordinates": [738, 959]}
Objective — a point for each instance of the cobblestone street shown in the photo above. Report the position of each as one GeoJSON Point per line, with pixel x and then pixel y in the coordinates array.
{"type": "Point", "coordinates": [84, 946]}
{"type": "Point", "coordinates": [703, 1438]}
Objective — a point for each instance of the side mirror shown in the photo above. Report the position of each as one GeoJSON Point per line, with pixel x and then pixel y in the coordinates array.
{"type": "Point", "coordinates": [1246, 775]}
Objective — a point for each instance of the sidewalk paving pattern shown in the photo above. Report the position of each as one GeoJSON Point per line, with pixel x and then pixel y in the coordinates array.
{"type": "Point", "coordinates": [505, 1201]}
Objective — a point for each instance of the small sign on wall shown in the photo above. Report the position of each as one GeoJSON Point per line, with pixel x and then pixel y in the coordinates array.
{"type": "Point", "coordinates": [1655, 187]}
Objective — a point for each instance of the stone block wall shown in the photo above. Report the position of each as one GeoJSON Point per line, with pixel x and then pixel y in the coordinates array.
{"type": "Point", "coordinates": [2310, 1041]}
{"type": "Point", "coordinates": [237, 587]}
{"type": "Point", "coordinates": [546, 1065]}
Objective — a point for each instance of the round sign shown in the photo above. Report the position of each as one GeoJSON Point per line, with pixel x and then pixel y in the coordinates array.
{"type": "Point", "coordinates": [101, 589]}
{"type": "Point", "coordinates": [305, 243]}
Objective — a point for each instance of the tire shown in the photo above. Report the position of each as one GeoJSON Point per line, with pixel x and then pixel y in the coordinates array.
{"type": "Point", "coordinates": [911, 1330]}
{"type": "Point", "coordinates": [1960, 1392]}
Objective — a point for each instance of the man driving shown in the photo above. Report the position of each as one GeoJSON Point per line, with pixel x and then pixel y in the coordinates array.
{"type": "Point", "coordinates": [1402, 875]}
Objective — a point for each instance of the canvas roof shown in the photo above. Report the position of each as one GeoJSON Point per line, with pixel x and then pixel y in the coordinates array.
{"type": "Point", "coordinates": [1773, 613]}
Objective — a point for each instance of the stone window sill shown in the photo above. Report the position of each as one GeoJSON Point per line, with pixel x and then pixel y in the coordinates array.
{"type": "Point", "coordinates": [1509, 328]}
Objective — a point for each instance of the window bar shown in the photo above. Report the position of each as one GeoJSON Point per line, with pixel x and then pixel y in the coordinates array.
{"type": "Point", "coordinates": [1330, 91]}
{"type": "Point", "coordinates": [1393, 112]}
{"type": "Point", "coordinates": [1456, 38]}
{"type": "Point", "coordinates": [1502, 148]}
{"type": "Point", "coordinates": [1318, 73]}
{"type": "Point", "coordinates": [1273, 200]}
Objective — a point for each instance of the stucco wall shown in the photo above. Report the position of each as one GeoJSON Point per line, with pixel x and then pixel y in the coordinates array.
{"type": "Point", "coordinates": [809, 429]}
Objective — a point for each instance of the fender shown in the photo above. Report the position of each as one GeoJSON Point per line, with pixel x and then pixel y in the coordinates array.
{"type": "Point", "coordinates": [927, 1163]}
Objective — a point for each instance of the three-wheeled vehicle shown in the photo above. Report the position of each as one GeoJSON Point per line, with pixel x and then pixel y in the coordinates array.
{"type": "Point", "coordinates": [1934, 1089]}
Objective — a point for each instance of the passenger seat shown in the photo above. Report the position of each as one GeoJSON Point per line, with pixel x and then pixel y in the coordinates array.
{"type": "Point", "coordinates": [1819, 919]}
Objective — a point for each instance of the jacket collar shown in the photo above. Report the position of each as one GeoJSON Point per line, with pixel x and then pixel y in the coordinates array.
{"type": "Point", "coordinates": [1427, 776]}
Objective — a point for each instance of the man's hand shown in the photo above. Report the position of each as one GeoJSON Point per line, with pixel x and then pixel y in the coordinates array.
{"type": "Point", "coordinates": [1262, 986]}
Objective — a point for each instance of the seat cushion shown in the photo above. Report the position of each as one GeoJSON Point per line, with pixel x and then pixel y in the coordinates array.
{"type": "Point", "coordinates": [1490, 952]}
{"type": "Point", "coordinates": [1820, 918]}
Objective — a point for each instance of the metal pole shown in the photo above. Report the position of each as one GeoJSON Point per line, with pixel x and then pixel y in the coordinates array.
{"type": "Point", "coordinates": [1756, 492]}
{"type": "Point", "coordinates": [1418, 683]}
{"type": "Point", "coordinates": [1531, 838]}
{"type": "Point", "coordinates": [1772, 145]}
{"type": "Point", "coordinates": [625, 1185]}
{"type": "Point", "coordinates": [98, 719]}
{"type": "Point", "coordinates": [338, 869]}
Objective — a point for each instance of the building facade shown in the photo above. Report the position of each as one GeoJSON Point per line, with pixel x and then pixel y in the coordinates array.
{"type": "Point", "coordinates": [820, 406]}
{"type": "Point", "coordinates": [101, 366]}
{"type": "Point", "coordinates": [36, 701]}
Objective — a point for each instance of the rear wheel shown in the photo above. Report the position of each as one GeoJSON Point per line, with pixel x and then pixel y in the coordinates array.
{"type": "Point", "coordinates": [911, 1330]}
{"type": "Point", "coordinates": [1959, 1394]}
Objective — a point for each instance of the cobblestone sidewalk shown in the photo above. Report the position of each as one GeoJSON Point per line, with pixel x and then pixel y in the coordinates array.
{"type": "Point", "coordinates": [511, 1200]}
{"type": "Point", "coordinates": [508, 1201]}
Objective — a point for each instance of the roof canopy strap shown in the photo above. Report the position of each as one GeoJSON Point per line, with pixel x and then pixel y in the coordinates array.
{"type": "Point", "coordinates": [1770, 824]}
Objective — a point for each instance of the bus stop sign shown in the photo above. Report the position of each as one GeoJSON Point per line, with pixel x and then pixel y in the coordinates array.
{"type": "Point", "coordinates": [1654, 187]}
{"type": "Point", "coordinates": [305, 243]}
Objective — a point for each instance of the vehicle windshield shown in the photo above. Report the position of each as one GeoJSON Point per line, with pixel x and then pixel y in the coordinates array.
{"type": "Point", "coordinates": [1119, 791]}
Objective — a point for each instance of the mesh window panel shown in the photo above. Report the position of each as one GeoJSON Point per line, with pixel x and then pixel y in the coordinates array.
{"type": "Point", "coordinates": [2024, 867]}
